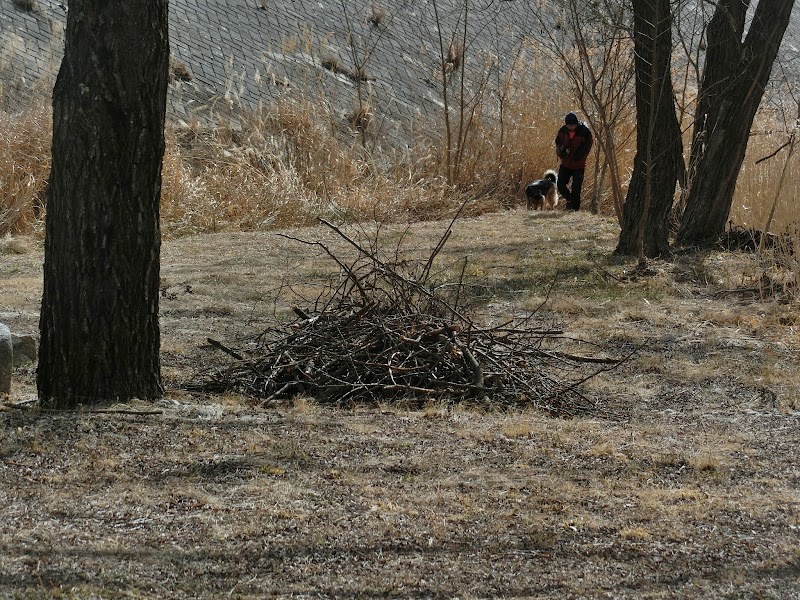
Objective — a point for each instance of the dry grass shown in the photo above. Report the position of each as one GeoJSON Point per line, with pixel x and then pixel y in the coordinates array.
{"type": "Point", "coordinates": [377, 15]}
{"type": "Point", "coordinates": [178, 70]}
{"type": "Point", "coordinates": [758, 187]}
{"type": "Point", "coordinates": [27, 5]}
{"type": "Point", "coordinates": [285, 168]}
{"type": "Point", "coordinates": [294, 163]}
{"type": "Point", "coordinates": [691, 494]}
{"type": "Point", "coordinates": [288, 166]}
{"type": "Point", "coordinates": [24, 168]}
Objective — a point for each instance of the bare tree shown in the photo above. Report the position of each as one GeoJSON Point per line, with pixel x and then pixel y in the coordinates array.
{"type": "Point", "coordinates": [689, 30]}
{"type": "Point", "coordinates": [734, 79]}
{"type": "Point", "coordinates": [99, 325]}
{"type": "Point", "coordinates": [452, 50]}
{"type": "Point", "coordinates": [464, 91]}
{"type": "Point", "coordinates": [659, 154]}
{"type": "Point", "coordinates": [597, 58]}
{"type": "Point", "coordinates": [361, 48]}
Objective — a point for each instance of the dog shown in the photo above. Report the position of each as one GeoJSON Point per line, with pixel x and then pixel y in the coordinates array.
{"type": "Point", "coordinates": [542, 193]}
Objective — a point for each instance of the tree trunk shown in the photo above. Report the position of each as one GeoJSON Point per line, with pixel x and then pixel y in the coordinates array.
{"type": "Point", "coordinates": [735, 76]}
{"type": "Point", "coordinates": [723, 48]}
{"type": "Point", "coordinates": [99, 321]}
{"type": "Point", "coordinates": [659, 161]}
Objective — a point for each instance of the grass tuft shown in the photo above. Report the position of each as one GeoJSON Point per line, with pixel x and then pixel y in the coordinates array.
{"type": "Point", "coordinates": [11, 245]}
{"type": "Point", "coordinates": [706, 462]}
{"type": "Point", "coordinates": [24, 167]}
{"type": "Point", "coordinates": [178, 70]}
{"type": "Point", "coordinates": [26, 5]}
{"type": "Point", "coordinates": [377, 15]}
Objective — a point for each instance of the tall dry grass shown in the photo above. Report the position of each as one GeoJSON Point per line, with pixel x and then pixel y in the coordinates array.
{"type": "Point", "coordinates": [502, 132]}
{"type": "Point", "coordinates": [285, 167]}
{"type": "Point", "coordinates": [768, 181]}
{"type": "Point", "coordinates": [767, 194]}
{"type": "Point", "coordinates": [24, 168]}
{"type": "Point", "coordinates": [290, 165]}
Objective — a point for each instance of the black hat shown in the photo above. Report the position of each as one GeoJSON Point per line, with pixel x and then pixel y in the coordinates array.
{"type": "Point", "coordinates": [571, 119]}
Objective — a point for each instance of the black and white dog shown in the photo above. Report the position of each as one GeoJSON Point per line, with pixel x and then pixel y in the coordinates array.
{"type": "Point", "coordinates": [542, 193]}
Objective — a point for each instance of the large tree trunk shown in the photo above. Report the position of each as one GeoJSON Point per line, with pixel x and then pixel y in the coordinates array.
{"type": "Point", "coordinates": [723, 48]}
{"type": "Point", "coordinates": [659, 161]}
{"type": "Point", "coordinates": [99, 321]}
{"type": "Point", "coordinates": [734, 79]}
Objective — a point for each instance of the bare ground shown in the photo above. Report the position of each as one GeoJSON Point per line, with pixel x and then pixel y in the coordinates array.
{"type": "Point", "coordinates": [688, 487]}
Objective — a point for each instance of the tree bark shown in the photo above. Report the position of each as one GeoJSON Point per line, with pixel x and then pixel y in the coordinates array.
{"type": "Point", "coordinates": [734, 79]}
{"type": "Point", "coordinates": [723, 48]}
{"type": "Point", "coordinates": [659, 161]}
{"type": "Point", "coordinates": [99, 325]}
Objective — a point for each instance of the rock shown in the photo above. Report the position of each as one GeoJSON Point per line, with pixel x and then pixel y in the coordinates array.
{"type": "Point", "coordinates": [6, 359]}
{"type": "Point", "coordinates": [15, 350]}
{"type": "Point", "coordinates": [24, 349]}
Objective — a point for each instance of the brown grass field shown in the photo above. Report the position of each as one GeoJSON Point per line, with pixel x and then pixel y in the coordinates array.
{"type": "Point", "coordinates": [685, 485]}
{"type": "Point", "coordinates": [682, 482]}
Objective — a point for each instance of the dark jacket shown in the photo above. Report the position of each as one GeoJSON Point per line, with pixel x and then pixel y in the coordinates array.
{"type": "Point", "coordinates": [574, 152]}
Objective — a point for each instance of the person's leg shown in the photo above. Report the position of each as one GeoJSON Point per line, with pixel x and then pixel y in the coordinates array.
{"type": "Point", "coordinates": [564, 175]}
{"type": "Point", "coordinates": [577, 185]}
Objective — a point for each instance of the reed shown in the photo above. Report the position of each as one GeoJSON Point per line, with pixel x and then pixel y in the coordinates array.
{"type": "Point", "coordinates": [24, 167]}
{"type": "Point", "coordinates": [289, 165]}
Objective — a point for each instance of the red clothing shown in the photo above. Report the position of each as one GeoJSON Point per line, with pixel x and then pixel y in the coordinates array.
{"type": "Point", "coordinates": [573, 147]}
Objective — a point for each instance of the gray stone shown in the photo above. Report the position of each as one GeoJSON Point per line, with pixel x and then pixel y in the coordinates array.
{"type": "Point", "coordinates": [6, 360]}
{"type": "Point", "coordinates": [24, 349]}
{"type": "Point", "coordinates": [15, 350]}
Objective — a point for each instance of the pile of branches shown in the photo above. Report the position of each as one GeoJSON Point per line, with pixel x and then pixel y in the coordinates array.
{"type": "Point", "coordinates": [385, 335]}
{"type": "Point", "coordinates": [743, 239]}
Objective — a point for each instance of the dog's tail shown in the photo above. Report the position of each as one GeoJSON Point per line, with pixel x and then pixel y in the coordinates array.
{"type": "Point", "coordinates": [551, 175]}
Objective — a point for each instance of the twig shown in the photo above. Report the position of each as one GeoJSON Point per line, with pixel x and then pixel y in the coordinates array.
{"type": "Point", "coordinates": [595, 374]}
{"type": "Point", "coordinates": [224, 348]}
{"type": "Point", "coordinates": [327, 250]}
{"type": "Point", "coordinates": [101, 411]}
{"type": "Point", "coordinates": [22, 403]}
{"type": "Point", "coordinates": [274, 395]}
{"type": "Point", "coordinates": [123, 411]}
{"type": "Point", "coordinates": [789, 142]}
{"type": "Point", "coordinates": [587, 359]}
{"type": "Point", "coordinates": [391, 273]}
{"type": "Point", "coordinates": [446, 236]}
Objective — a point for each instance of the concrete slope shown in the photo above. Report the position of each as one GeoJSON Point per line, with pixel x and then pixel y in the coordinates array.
{"type": "Point", "coordinates": [234, 54]}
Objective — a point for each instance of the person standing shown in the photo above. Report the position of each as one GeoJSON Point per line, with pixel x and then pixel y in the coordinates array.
{"type": "Point", "coordinates": [573, 144]}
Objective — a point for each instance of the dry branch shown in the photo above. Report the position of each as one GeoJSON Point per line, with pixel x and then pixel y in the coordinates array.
{"type": "Point", "coordinates": [384, 335]}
